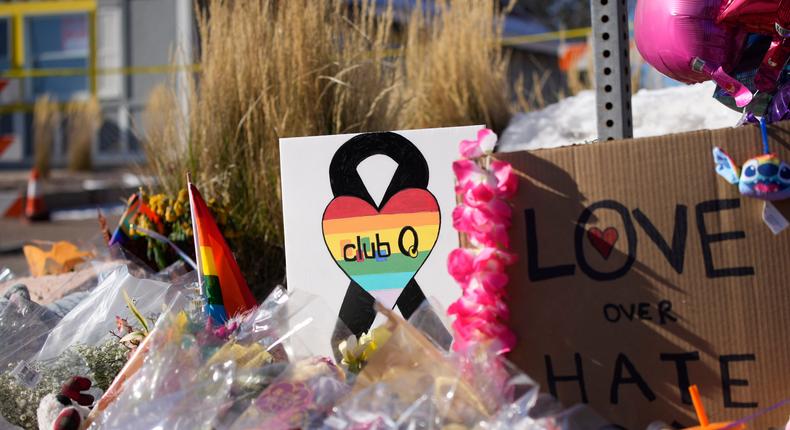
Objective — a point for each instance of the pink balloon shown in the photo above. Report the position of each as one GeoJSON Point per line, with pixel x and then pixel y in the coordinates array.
{"type": "Point", "coordinates": [682, 40]}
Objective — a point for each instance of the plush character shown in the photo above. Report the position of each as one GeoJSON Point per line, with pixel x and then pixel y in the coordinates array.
{"type": "Point", "coordinates": [68, 409]}
{"type": "Point", "coordinates": [763, 177]}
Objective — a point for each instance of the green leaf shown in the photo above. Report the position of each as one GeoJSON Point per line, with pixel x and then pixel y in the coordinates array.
{"type": "Point", "coordinates": [135, 312]}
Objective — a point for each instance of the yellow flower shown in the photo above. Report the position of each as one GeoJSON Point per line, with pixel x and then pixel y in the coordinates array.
{"type": "Point", "coordinates": [183, 196]}
{"type": "Point", "coordinates": [143, 222]}
{"type": "Point", "coordinates": [179, 324]}
{"type": "Point", "coordinates": [374, 339]}
{"type": "Point", "coordinates": [158, 203]}
{"type": "Point", "coordinates": [170, 215]}
{"type": "Point", "coordinates": [155, 200]}
{"type": "Point", "coordinates": [178, 207]}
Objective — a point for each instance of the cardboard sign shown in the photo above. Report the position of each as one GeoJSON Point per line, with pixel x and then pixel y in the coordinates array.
{"type": "Point", "coordinates": [371, 215]}
{"type": "Point", "coordinates": [641, 271]}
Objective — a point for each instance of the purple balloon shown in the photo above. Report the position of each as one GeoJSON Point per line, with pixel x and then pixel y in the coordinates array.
{"type": "Point", "coordinates": [778, 109]}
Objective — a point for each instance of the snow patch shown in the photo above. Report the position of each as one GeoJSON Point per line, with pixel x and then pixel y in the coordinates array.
{"type": "Point", "coordinates": [656, 112]}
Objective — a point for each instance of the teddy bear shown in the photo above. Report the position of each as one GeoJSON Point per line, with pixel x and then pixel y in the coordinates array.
{"type": "Point", "coordinates": [68, 409]}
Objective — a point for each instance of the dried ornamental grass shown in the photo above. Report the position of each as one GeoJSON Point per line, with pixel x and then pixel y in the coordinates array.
{"type": "Point", "coordinates": [455, 72]}
{"type": "Point", "coordinates": [82, 122]}
{"type": "Point", "coordinates": [46, 120]}
{"type": "Point", "coordinates": [315, 68]}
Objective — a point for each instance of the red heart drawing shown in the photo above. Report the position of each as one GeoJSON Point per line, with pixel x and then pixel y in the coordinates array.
{"type": "Point", "coordinates": [603, 241]}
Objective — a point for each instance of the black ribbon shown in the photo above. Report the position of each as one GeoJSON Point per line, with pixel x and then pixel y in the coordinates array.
{"type": "Point", "coordinates": [357, 311]}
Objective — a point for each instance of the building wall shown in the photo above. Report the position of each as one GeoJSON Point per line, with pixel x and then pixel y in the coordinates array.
{"type": "Point", "coordinates": [152, 38]}
{"type": "Point", "coordinates": [130, 34]}
{"type": "Point", "coordinates": [148, 39]}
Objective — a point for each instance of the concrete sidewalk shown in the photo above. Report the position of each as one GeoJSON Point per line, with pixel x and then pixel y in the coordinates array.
{"type": "Point", "coordinates": [67, 190]}
{"type": "Point", "coordinates": [15, 232]}
{"type": "Point", "coordinates": [63, 191]}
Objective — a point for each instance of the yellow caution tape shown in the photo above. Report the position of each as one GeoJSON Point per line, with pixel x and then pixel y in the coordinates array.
{"type": "Point", "coordinates": [78, 71]}
{"type": "Point", "coordinates": [545, 37]}
{"type": "Point", "coordinates": [166, 69]}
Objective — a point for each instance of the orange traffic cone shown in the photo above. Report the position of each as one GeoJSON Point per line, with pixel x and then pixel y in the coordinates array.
{"type": "Point", "coordinates": [34, 206]}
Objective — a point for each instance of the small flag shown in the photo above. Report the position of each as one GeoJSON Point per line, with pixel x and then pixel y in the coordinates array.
{"type": "Point", "coordinates": [221, 283]}
{"type": "Point", "coordinates": [134, 205]}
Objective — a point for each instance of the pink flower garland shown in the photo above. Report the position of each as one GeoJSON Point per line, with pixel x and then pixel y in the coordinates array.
{"type": "Point", "coordinates": [484, 215]}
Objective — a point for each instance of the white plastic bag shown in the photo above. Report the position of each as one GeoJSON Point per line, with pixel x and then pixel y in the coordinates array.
{"type": "Point", "coordinates": [91, 321]}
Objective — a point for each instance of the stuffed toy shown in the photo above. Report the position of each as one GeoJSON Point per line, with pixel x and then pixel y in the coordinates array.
{"type": "Point", "coordinates": [763, 177]}
{"type": "Point", "coordinates": [68, 409]}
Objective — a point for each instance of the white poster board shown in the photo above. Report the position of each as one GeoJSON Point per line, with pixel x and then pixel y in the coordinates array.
{"type": "Point", "coordinates": [309, 202]}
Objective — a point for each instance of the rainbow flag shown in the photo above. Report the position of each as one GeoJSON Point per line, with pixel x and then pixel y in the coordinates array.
{"type": "Point", "coordinates": [221, 283]}
{"type": "Point", "coordinates": [382, 250]}
{"type": "Point", "coordinates": [134, 205]}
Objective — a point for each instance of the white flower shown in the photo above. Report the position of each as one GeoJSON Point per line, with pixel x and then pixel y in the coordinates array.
{"type": "Point", "coordinates": [352, 350]}
{"type": "Point", "coordinates": [487, 140]}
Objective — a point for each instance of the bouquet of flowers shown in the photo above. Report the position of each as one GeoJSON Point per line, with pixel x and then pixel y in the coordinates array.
{"type": "Point", "coordinates": [157, 228]}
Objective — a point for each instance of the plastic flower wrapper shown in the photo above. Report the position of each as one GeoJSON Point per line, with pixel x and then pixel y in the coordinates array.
{"type": "Point", "coordinates": [6, 274]}
{"type": "Point", "coordinates": [353, 352]}
{"type": "Point", "coordinates": [99, 360]}
{"type": "Point", "coordinates": [291, 325]}
{"type": "Point", "coordinates": [382, 407]}
{"type": "Point", "coordinates": [417, 383]}
{"type": "Point", "coordinates": [255, 370]}
{"type": "Point", "coordinates": [24, 326]}
{"type": "Point", "coordinates": [28, 380]}
{"type": "Point", "coordinates": [27, 317]}
{"type": "Point", "coordinates": [432, 324]}
{"type": "Point", "coordinates": [282, 328]}
{"type": "Point", "coordinates": [247, 384]}
{"type": "Point", "coordinates": [535, 411]}
{"type": "Point", "coordinates": [94, 318]}
{"type": "Point", "coordinates": [175, 387]}
{"type": "Point", "coordinates": [517, 398]}
{"type": "Point", "coordinates": [300, 398]}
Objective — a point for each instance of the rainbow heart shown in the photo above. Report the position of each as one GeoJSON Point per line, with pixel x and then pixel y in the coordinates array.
{"type": "Point", "coordinates": [382, 250]}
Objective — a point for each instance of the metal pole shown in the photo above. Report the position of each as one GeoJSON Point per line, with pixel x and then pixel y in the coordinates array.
{"type": "Point", "coordinates": [612, 69]}
{"type": "Point", "coordinates": [93, 51]}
